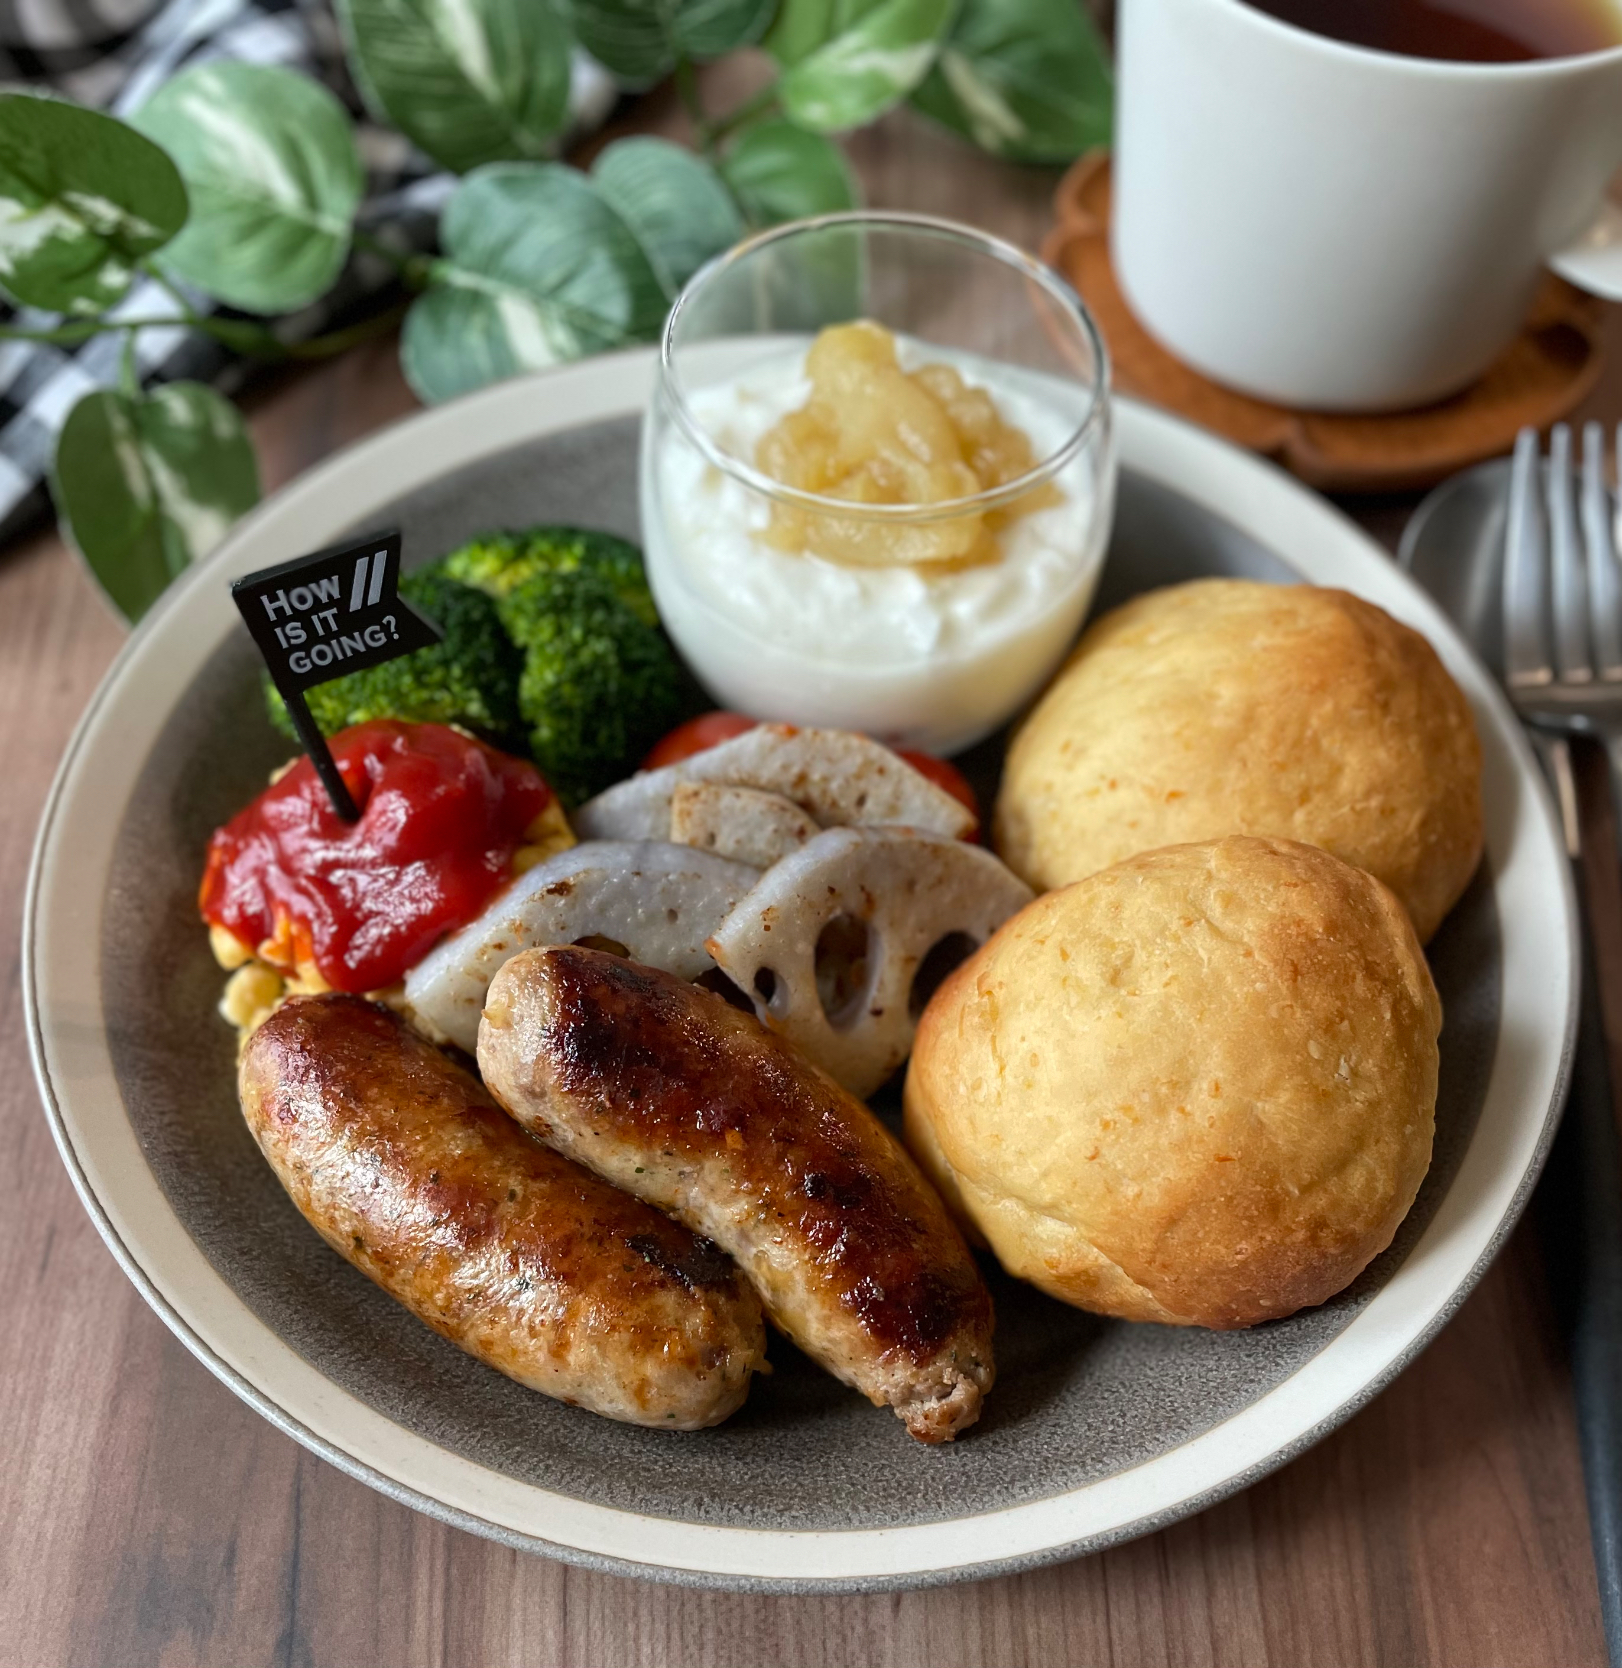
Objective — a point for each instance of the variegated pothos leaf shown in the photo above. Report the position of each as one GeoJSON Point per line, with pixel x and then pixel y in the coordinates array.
{"type": "Point", "coordinates": [537, 269]}
{"type": "Point", "coordinates": [674, 203]}
{"type": "Point", "coordinates": [83, 197]}
{"type": "Point", "coordinates": [1025, 79]}
{"type": "Point", "coordinates": [779, 172]}
{"type": "Point", "coordinates": [269, 160]}
{"type": "Point", "coordinates": [845, 62]}
{"type": "Point", "coordinates": [145, 485]}
{"type": "Point", "coordinates": [468, 81]}
{"type": "Point", "coordinates": [640, 40]}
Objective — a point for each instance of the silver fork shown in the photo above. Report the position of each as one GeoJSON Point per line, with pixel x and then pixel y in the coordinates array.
{"type": "Point", "coordinates": [1562, 603]}
{"type": "Point", "coordinates": [1563, 589]}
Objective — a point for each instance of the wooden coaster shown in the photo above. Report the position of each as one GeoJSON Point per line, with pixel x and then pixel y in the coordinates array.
{"type": "Point", "coordinates": [1545, 372]}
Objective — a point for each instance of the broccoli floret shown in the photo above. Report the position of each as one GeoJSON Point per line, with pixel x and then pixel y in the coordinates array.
{"type": "Point", "coordinates": [497, 563]}
{"type": "Point", "coordinates": [470, 678]}
{"type": "Point", "coordinates": [599, 684]}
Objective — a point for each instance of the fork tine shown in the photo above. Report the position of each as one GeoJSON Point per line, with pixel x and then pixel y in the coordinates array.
{"type": "Point", "coordinates": [1526, 662]}
{"type": "Point", "coordinates": [1604, 570]}
{"type": "Point", "coordinates": [1568, 583]}
{"type": "Point", "coordinates": [1616, 522]}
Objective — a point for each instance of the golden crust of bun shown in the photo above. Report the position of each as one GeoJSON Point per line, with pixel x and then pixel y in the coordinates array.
{"type": "Point", "coordinates": [1230, 707]}
{"type": "Point", "coordinates": [1198, 1087]}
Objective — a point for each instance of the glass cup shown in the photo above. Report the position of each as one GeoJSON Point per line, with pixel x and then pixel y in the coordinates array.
{"type": "Point", "coordinates": [930, 653]}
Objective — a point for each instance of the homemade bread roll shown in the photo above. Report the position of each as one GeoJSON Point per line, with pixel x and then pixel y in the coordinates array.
{"type": "Point", "coordinates": [1198, 1087]}
{"type": "Point", "coordinates": [1230, 707]}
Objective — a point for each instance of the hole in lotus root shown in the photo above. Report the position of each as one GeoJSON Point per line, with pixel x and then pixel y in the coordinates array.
{"type": "Point", "coordinates": [843, 969]}
{"type": "Point", "coordinates": [944, 957]}
{"type": "Point", "coordinates": [766, 984]}
{"type": "Point", "coordinates": [717, 982]}
{"type": "Point", "coordinates": [609, 946]}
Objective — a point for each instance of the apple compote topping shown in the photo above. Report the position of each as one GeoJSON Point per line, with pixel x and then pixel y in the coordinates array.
{"type": "Point", "coordinates": [873, 433]}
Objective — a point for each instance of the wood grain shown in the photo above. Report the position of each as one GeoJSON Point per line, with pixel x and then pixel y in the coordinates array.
{"type": "Point", "coordinates": [148, 1517]}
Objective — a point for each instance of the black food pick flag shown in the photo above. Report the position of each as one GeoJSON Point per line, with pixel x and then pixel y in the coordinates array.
{"type": "Point", "coordinates": [323, 616]}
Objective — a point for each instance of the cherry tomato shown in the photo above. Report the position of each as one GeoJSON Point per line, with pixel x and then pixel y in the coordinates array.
{"type": "Point", "coordinates": [945, 775]}
{"type": "Point", "coordinates": [697, 735]}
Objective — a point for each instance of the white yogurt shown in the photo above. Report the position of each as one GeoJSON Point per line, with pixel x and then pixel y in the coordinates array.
{"type": "Point", "coordinates": [918, 659]}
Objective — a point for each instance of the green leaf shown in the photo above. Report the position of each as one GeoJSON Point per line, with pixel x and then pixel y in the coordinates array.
{"type": "Point", "coordinates": [675, 205]}
{"type": "Point", "coordinates": [538, 269]}
{"type": "Point", "coordinates": [848, 61]}
{"type": "Point", "coordinates": [468, 81]}
{"type": "Point", "coordinates": [779, 172]}
{"type": "Point", "coordinates": [801, 26]}
{"type": "Point", "coordinates": [147, 484]}
{"type": "Point", "coordinates": [274, 178]}
{"type": "Point", "coordinates": [1024, 79]}
{"type": "Point", "coordinates": [83, 197]}
{"type": "Point", "coordinates": [640, 40]}
{"type": "Point", "coordinates": [782, 172]}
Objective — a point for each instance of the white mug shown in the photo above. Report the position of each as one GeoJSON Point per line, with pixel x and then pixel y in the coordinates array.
{"type": "Point", "coordinates": [1343, 229]}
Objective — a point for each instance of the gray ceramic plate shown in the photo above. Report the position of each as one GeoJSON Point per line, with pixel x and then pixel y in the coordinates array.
{"type": "Point", "coordinates": [1096, 1431]}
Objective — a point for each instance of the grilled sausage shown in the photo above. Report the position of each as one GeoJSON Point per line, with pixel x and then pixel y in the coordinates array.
{"type": "Point", "coordinates": [402, 1163]}
{"type": "Point", "coordinates": [672, 1094]}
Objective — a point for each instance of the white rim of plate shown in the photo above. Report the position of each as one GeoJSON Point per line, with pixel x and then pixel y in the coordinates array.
{"type": "Point", "coordinates": [61, 986]}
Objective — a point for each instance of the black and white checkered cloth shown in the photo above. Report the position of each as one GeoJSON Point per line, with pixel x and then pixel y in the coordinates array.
{"type": "Point", "coordinates": [113, 55]}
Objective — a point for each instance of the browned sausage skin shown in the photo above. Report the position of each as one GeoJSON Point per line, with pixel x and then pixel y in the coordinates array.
{"type": "Point", "coordinates": [670, 1093]}
{"type": "Point", "coordinates": [402, 1163]}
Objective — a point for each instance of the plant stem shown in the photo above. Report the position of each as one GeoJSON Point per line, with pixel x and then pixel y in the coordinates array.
{"type": "Point", "coordinates": [412, 269]}
{"type": "Point", "coordinates": [67, 335]}
{"type": "Point", "coordinates": [129, 376]}
{"type": "Point", "coordinates": [339, 341]}
{"type": "Point", "coordinates": [241, 335]}
{"type": "Point", "coordinates": [762, 104]}
{"type": "Point", "coordinates": [81, 330]}
{"type": "Point", "coordinates": [188, 311]}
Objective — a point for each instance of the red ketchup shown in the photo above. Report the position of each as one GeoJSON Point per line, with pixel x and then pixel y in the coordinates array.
{"type": "Point", "coordinates": [440, 818]}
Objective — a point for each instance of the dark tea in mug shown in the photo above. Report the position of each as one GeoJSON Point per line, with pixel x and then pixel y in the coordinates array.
{"type": "Point", "coordinates": [1469, 31]}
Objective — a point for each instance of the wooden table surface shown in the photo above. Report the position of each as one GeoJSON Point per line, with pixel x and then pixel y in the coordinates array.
{"type": "Point", "coordinates": [148, 1517]}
